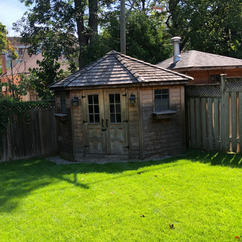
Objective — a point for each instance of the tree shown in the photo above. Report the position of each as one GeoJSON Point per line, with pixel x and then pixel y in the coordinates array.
{"type": "Point", "coordinates": [5, 44]}
{"type": "Point", "coordinates": [207, 25]}
{"type": "Point", "coordinates": [146, 37]}
{"type": "Point", "coordinates": [62, 22]}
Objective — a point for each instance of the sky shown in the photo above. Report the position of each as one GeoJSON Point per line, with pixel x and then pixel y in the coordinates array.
{"type": "Point", "coordinates": [11, 11]}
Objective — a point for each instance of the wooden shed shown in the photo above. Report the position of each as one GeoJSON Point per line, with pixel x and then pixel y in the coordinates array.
{"type": "Point", "coordinates": [120, 108]}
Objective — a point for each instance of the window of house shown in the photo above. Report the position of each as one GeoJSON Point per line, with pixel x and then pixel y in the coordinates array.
{"type": "Point", "coordinates": [63, 102]}
{"type": "Point", "coordinates": [93, 109]}
{"type": "Point", "coordinates": [20, 51]}
{"type": "Point", "coordinates": [161, 100]}
{"type": "Point", "coordinates": [215, 78]}
{"type": "Point", "coordinates": [115, 108]}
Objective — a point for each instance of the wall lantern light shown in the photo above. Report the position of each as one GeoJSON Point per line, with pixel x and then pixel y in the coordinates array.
{"type": "Point", "coordinates": [132, 99]}
{"type": "Point", "coordinates": [75, 101]}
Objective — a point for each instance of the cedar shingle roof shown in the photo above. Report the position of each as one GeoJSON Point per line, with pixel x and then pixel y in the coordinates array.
{"type": "Point", "coordinates": [198, 59]}
{"type": "Point", "coordinates": [115, 69]}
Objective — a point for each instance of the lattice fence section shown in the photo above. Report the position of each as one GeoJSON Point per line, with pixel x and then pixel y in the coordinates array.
{"type": "Point", "coordinates": [203, 91]}
{"type": "Point", "coordinates": [233, 85]}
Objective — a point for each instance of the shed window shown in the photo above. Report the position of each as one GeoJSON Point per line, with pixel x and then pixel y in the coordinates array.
{"type": "Point", "coordinates": [20, 51]}
{"type": "Point", "coordinates": [63, 102]}
{"type": "Point", "coordinates": [161, 100]}
{"type": "Point", "coordinates": [115, 108]}
{"type": "Point", "coordinates": [93, 108]}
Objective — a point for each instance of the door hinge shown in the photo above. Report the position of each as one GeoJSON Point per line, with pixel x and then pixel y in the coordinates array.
{"type": "Point", "coordinates": [126, 147]}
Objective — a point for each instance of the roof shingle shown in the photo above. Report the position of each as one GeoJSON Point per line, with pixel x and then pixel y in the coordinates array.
{"type": "Point", "coordinates": [116, 68]}
{"type": "Point", "coordinates": [198, 59]}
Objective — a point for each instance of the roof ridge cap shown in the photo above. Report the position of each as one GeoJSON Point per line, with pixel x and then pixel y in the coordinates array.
{"type": "Point", "coordinates": [127, 67]}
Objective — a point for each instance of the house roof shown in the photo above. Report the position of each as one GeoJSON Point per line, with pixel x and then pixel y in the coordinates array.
{"type": "Point", "coordinates": [198, 59]}
{"type": "Point", "coordinates": [116, 69]}
{"type": "Point", "coordinates": [23, 67]}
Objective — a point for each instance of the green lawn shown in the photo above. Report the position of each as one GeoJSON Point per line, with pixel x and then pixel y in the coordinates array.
{"type": "Point", "coordinates": [197, 197]}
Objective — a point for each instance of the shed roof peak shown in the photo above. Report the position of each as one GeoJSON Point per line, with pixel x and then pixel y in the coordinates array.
{"type": "Point", "coordinates": [119, 69]}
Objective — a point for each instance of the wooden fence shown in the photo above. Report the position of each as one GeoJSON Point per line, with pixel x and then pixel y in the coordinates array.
{"type": "Point", "coordinates": [214, 116]}
{"type": "Point", "coordinates": [35, 136]}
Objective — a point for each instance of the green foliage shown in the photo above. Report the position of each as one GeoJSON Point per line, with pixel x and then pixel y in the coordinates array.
{"type": "Point", "coordinates": [5, 44]}
{"type": "Point", "coordinates": [40, 78]}
{"type": "Point", "coordinates": [121, 201]}
{"type": "Point", "coordinates": [205, 25]}
{"type": "Point", "coordinates": [145, 38]}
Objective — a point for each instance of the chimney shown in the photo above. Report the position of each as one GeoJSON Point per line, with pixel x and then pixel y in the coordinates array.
{"type": "Point", "coordinates": [176, 48]}
{"type": "Point", "coordinates": [4, 67]}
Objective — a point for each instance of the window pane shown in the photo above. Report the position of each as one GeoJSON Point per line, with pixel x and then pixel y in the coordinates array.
{"type": "Point", "coordinates": [112, 108]}
{"type": "Point", "coordinates": [117, 98]}
{"type": "Point", "coordinates": [91, 118]}
{"type": "Point", "coordinates": [112, 118]}
{"type": "Point", "coordinates": [111, 98]}
{"type": "Point", "coordinates": [158, 92]}
{"type": "Point", "coordinates": [118, 116]}
{"type": "Point", "coordinates": [96, 109]}
{"type": "Point", "coordinates": [63, 103]}
{"type": "Point", "coordinates": [115, 108]}
{"type": "Point", "coordinates": [97, 118]}
{"type": "Point", "coordinates": [89, 99]}
{"type": "Point", "coordinates": [90, 109]}
{"type": "Point", "coordinates": [95, 99]}
{"type": "Point", "coordinates": [161, 100]}
{"type": "Point", "coordinates": [93, 109]}
{"type": "Point", "coordinates": [118, 108]}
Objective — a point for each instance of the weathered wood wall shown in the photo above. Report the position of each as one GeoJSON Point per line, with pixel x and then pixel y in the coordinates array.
{"type": "Point", "coordinates": [214, 116]}
{"type": "Point", "coordinates": [35, 136]}
{"type": "Point", "coordinates": [64, 126]}
{"type": "Point", "coordinates": [165, 136]}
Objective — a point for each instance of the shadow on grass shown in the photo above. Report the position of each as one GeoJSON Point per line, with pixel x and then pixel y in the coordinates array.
{"type": "Point", "coordinates": [19, 178]}
{"type": "Point", "coordinates": [216, 158]}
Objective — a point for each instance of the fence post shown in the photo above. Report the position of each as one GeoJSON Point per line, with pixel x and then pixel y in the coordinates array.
{"type": "Point", "coordinates": [222, 110]}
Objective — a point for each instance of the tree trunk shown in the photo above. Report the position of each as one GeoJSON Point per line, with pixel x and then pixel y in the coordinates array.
{"type": "Point", "coordinates": [82, 38]}
{"type": "Point", "coordinates": [122, 27]}
{"type": "Point", "coordinates": [93, 21]}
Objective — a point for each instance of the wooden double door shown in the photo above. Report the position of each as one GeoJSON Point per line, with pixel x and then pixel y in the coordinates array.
{"type": "Point", "coordinates": [106, 122]}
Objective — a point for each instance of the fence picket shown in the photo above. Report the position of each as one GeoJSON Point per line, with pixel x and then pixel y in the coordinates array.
{"type": "Point", "coordinates": [204, 123]}
{"type": "Point", "coordinates": [198, 123]}
{"type": "Point", "coordinates": [234, 121]}
{"type": "Point", "coordinates": [218, 115]}
{"type": "Point", "coordinates": [192, 115]}
{"type": "Point", "coordinates": [216, 124]}
{"type": "Point", "coordinates": [210, 124]}
{"type": "Point", "coordinates": [34, 138]}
